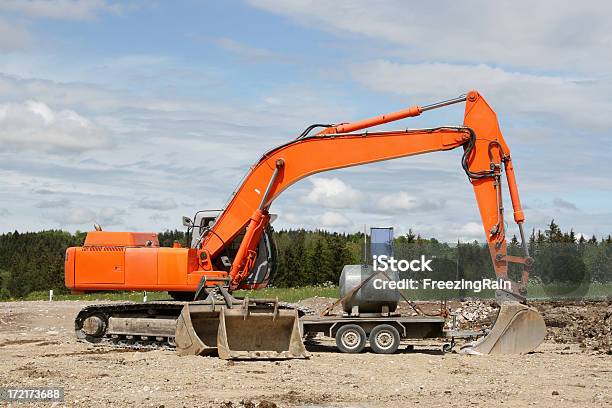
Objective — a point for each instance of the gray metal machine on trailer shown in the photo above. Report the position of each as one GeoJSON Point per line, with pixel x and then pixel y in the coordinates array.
{"type": "Point", "coordinates": [369, 314]}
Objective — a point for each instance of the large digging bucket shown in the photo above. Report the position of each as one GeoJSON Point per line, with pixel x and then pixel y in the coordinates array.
{"type": "Point", "coordinates": [196, 330]}
{"type": "Point", "coordinates": [259, 333]}
{"type": "Point", "coordinates": [518, 329]}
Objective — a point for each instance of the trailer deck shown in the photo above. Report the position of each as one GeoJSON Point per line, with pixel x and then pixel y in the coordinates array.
{"type": "Point", "coordinates": [384, 332]}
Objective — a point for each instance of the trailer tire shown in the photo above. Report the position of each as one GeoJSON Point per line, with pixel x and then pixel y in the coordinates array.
{"type": "Point", "coordinates": [350, 338]}
{"type": "Point", "coordinates": [384, 339]}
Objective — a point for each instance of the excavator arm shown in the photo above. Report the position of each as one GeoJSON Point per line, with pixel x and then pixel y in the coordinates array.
{"type": "Point", "coordinates": [486, 156]}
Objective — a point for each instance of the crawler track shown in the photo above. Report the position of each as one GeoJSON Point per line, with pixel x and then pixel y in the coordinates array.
{"type": "Point", "coordinates": [93, 324]}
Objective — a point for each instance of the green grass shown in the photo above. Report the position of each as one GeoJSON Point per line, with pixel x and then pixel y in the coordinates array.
{"type": "Point", "coordinates": [97, 296]}
{"type": "Point", "coordinates": [536, 291]}
{"type": "Point", "coordinates": [283, 294]}
{"type": "Point", "coordinates": [290, 294]}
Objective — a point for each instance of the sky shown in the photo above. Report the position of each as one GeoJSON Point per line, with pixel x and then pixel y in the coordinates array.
{"type": "Point", "coordinates": [132, 114]}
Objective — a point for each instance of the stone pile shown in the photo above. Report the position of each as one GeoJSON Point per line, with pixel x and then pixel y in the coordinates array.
{"type": "Point", "coordinates": [472, 314]}
{"type": "Point", "coordinates": [584, 322]}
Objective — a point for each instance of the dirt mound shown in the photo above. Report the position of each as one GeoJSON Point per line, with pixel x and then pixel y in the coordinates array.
{"type": "Point", "coordinates": [587, 323]}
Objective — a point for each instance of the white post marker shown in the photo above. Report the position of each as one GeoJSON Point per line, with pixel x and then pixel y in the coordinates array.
{"type": "Point", "coordinates": [144, 296]}
{"type": "Point", "coordinates": [50, 295]}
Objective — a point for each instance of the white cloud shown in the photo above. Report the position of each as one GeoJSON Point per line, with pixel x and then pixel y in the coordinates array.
{"type": "Point", "coordinates": [510, 92]}
{"type": "Point", "coordinates": [558, 35]}
{"type": "Point", "coordinates": [247, 52]}
{"type": "Point", "coordinates": [159, 217]}
{"type": "Point", "coordinates": [398, 201]}
{"type": "Point", "coordinates": [60, 9]}
{"type": "Point", "coordinates": [472, 230]}
{"type": "Point", "coordinates": [449, 231]}
{"type": "Point", "coordinates": [33, 125]}
{"type": "Point", "coordinates": [564, 204]}
{"type": "Point", "coordinates": [332, 193]}
{"type": "Point", "coordinates": [110, 216]}
{"type": "Point", "coordinates": [294, 219]}
{"type": "Point", "coordinates": [56, 203]}
{"type": "Point", "coordinates": [106, 216]}
{"type": "Point", "coordinates": [150, 136]}
{"type": "Point", "coordinates": [75, 216]}
{"type": "Point", "coordinates": [13, 37]}
{"type": "Point", "coordinates": [401, 202]}
{"type": "Point", "coordinates": [157, 204]}
{"type": "Point", "coordinates": [330, 219]}
{"type": "Point", "coordinates": [58, 94]}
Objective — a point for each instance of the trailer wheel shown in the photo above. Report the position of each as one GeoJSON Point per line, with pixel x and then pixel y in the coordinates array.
{"type": "Point", "coordinates": [350, 338]}
{"type": "Point", "coordinates": [384, 339]}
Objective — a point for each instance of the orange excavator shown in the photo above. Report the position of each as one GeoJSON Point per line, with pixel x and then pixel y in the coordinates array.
{"type": "Point", "coordinates": [233, 248]}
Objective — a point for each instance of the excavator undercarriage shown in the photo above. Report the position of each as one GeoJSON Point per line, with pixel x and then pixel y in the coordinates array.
{"type": "Point", "coordinates": [219, 325]}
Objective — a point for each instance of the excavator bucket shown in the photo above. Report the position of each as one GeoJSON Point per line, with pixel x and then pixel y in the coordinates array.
{"type": "Point", "coordinates": [518, 329]}
{"type": "Point", "coordinates": [256, 332]}
{"type": "Point", "coordinates": [259, 333]}
{"type": "Point", "coordinates": [196, 330]}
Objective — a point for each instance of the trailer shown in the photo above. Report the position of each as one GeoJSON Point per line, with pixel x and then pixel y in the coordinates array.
{"type": "Point", "coordinates": [383, 332]}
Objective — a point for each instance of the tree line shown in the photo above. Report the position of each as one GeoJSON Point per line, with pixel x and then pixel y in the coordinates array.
{"type": "Point", "coordinates": [34, 261]}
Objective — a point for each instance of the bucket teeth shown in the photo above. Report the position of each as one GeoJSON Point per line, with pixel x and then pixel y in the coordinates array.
{"type": "Point", "coordinates": [518, 329]}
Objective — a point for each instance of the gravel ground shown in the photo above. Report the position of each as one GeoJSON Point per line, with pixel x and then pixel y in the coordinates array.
{"type": "Point", "coordinates": [573, 368]}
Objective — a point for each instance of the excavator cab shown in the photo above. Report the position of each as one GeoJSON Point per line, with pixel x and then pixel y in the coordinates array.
{"type": "Point", "coordinates": [266, 262]}
{"type": "Point", "coordinates": [202, 221]}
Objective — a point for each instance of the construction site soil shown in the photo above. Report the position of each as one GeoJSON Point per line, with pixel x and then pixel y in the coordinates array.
{"type": "Point", "coordinates": [573, 368]}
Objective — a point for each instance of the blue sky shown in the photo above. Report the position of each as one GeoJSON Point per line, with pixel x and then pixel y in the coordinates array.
{"type": "Point", "coordinates": [131, 114]}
